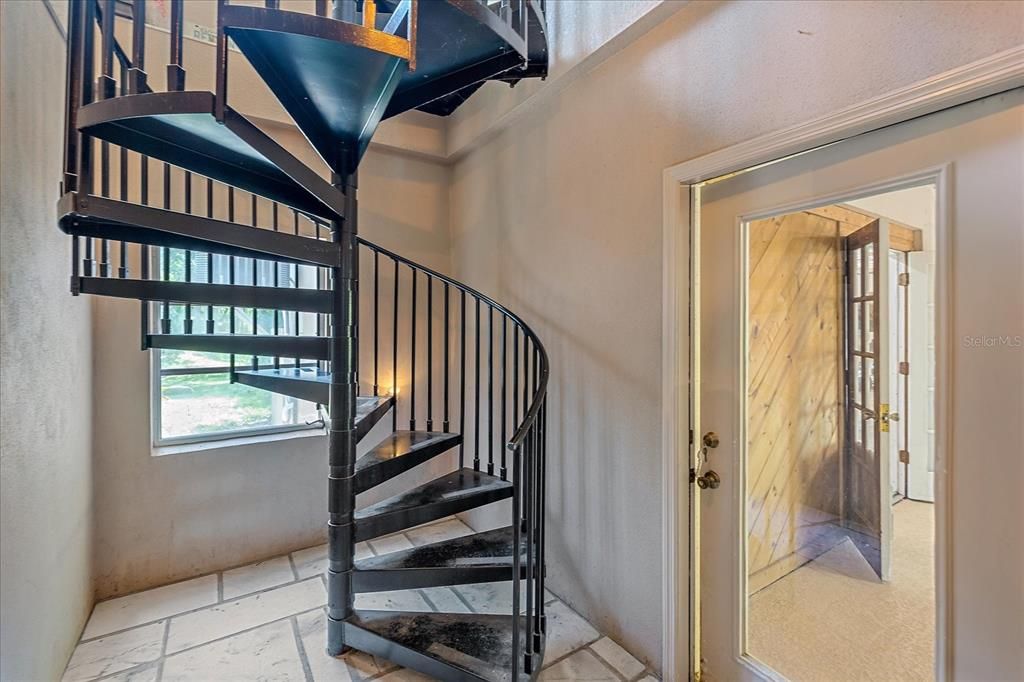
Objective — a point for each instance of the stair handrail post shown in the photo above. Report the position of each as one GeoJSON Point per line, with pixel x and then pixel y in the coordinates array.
{"type": "Point", "coordinates": [175, 70]}
{"type": "Point", "coordinates": [344, 346]}
{"type": "Point", "coordinates": [137, 73]}
{"type": "Point", "coordinates": [220, 99]}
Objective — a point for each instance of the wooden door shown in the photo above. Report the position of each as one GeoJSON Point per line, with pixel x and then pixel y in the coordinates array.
{"type": "Point", "coordinates": [867, 500]}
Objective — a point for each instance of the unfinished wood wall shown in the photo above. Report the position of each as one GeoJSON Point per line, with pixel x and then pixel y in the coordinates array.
{"type": "Point", "coordinates": [794, 392]}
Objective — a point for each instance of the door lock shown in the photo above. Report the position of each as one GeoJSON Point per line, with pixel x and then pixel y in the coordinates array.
{"type": "Point", "coordinates": [709, 480]}
{"type": "Point", "coordinates": [710, 440]}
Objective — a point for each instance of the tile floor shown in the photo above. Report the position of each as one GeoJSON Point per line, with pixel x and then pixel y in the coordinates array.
{"type": "Point", "coordinates": [265, 621]}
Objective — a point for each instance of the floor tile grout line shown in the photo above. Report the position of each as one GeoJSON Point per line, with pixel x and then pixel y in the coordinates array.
{"type": "Point", "coordinates": [220, 587]}
{"type": "Point", "coordinates": [463, 599]}
{"type": "Point", "coordinates": [198, 608]}
{"type": "Point", "coordinates": [303, 659]}
{"type": "Point", "coordinates": [291, 562]}
{"type": "Point", "coordinates": [241, 632]}
{"type": "Point", "coordinates": [607, 664]}
{"type": "Point", "coordinates": [548, 664]}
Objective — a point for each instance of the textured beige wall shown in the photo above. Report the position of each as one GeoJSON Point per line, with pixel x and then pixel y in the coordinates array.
{"type": "Point", "coordinates": [559, 216]}
{"type": "Point", "coordinates": [45, 415]}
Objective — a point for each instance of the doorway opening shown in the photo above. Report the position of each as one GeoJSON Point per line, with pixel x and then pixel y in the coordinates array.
{"type": "Point", "coordinates": [841, 438]}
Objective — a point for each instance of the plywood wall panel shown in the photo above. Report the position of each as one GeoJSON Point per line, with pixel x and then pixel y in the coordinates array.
{"type": "Point", "coordinates": [794, 389]}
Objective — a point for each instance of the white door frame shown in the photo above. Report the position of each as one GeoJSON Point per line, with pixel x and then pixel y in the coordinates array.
{"type": "Point", "coordinates": [997, 73]}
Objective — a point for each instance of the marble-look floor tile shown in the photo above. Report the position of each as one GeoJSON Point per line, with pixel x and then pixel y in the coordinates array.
{"type": "Point", "coordinates": [496, 597]}
{"type": "Point", "coordinates": [231, 617]}
{"type": "Point", "coordinates": [618, 658]}
{"type": "Point", "coordinates": [256, 577]}
{"type": "Point", "coordinates": [148, 673]}
{"type": "Point", "coordinates": [266, 653]}
{"type": "Point", "coordinates": [438, 532]}
{"type": "Point", "coordinates": [313, 560]}
{"type": "Point", "coordinates": [582, 665]}
{"type": "Point", "coordinates": [114, 653]}
{"type": "Point", "coordinates": [354, 665]}
{"type": "Point", "coordinates": [445, 600]}
{"type": "Point", "coordinates": [648, 678]}
{"type": "Point", "coordinates": [390, 543]}
{"type": "Point", "coordinates": [398, 600]}
{"type": "Point", "coordinates": [144, 607]}
{"type": "Point", "coordinates": [567, 631]}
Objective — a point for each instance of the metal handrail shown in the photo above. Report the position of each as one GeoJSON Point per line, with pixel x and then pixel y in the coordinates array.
{"type": "Point", "coordinates": [532, 413]}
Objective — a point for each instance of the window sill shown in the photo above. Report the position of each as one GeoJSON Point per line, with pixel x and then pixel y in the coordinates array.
{"type": "Point", "coordinates": [211, 446]}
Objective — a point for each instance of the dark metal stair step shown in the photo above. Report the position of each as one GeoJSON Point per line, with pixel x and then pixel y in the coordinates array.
{"type": "Point", "coordinates": [92, 216]}
{"type": "Point", "coordinates": [447, 646]}
{"type": "Point", "coordinates": [304, 347]}
{"type": "Point", "coordinates": [477, 558]}
{"type": "Point", "coordinates": [398, 453]}
{"type": "Point", "coordinates": [460, 44]}
{"type": "Point", "coordinates": [180, 128]}
{"type": "Point", "coordinates": [334, 78]}
{"type": "Point", "coordinates": [452, 493]}
{"type": "Point", "coordinates": [244, 296]}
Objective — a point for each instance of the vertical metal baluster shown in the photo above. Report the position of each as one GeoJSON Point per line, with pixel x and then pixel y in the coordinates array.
{"type": "Point", "coordinates": [376, 321]}
{"type": "Point", "coordinates": [527, 507]}
{"type": "Point", "coordinates": [504, 392]}
{"type": "Point", "coordinates": [255, 263]}
{"type": "Point", "coordinates": [447, 323]}
{"type": "Point", "coordinates": [122, 270]}
{"type": "Point", "coordinates": [515, 374]}
{"type": "Point", "coordinates": [187, 322]}
{"type": "Point", "coordinates": [526, 375]}
{"type": "Point", "coordinates": [175, 72]}
{"type": "Point", "coordinates": [394, 353]}
{"type": "Point", "coordinates": [317, 272]}
{"type": "Point", "coordinates": [537, 513]}
{"type": "Point", "coordinates": [321, 8]}
{"type": "Point", "coordinates": [541, 487]}
{"type": "Point", "coordinates": [430, 353]}
{"type": "Point", "coordinates": [412, 355]}
{"type": "Point", "coordinates": [462, 382]}
{"type": "Point", "coordinates": [105, 88]}
{"type": "Point", "coordinates": [517, 469]}
{"type": "Point", "coordinates": [490, 390]}
{"type": "Point", "coordinates": [231, 274]}
{"type": "Point", "coordinates": [137, 74]}
{"type": "Point", "coordinates": [85, 181]}
{"type": "Point", "coordinates": [165, 321]}
{"type": "Point", "coordinates": [144, 306]}
{"type": "Point", "coordinates": [476, 387]}
{"type": "Point", "coordinates": [209, 256]}
{"type": "Point", "coordinates": [277, 284]}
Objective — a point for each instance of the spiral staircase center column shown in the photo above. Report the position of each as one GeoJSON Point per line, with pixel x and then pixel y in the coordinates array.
{"type": "Point", "coordinates": [344, 351]}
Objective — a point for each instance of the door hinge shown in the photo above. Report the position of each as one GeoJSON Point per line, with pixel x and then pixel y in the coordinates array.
{"type": "Point", "coordinates": [905, 368]}
{"type": "Point", "coordinates": [691, 436]}
{"type": "Point", "coordinates": [904, 456]}
{"type": "Point", "coordinates": [904, 279]}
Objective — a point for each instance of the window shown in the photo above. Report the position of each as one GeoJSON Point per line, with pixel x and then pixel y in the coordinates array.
{"type": "Point", "coordinates": [194, 399]}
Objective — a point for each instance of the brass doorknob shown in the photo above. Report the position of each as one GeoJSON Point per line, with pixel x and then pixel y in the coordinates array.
{"type": "Point", "coordinates": [710, 439]}
{"type": "Point", "coordinates": [709, 480]}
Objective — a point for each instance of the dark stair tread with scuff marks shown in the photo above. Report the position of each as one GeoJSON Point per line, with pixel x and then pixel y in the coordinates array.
{"type": "Point", "coordinates": [479, 646]}
{"type": "Point", "coordinates": [399, 452]}
{"type": "Point", "coordinates": [455, 492]}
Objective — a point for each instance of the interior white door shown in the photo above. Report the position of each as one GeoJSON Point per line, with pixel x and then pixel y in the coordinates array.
{"type": "Point", "coordinates": [971, 137]}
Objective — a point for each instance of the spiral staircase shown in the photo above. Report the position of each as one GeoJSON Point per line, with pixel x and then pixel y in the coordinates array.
{"type": "Point", "coordinates": [467, 374]}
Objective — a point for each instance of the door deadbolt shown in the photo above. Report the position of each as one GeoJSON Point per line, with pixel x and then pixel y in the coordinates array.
{"type": "Point", "coordinates": [709, 480]}
{"type": "Point", "coordinates": [710, 440]}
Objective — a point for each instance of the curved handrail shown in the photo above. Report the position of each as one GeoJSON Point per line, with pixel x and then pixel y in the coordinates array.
{"type": "Point", "coordinates": [532, 414]}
